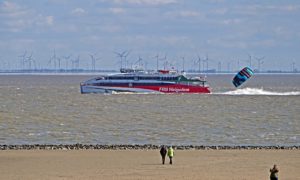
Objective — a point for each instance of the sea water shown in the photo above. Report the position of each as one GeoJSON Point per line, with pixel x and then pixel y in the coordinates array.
{"type": "Point", "coordinates": [49, 109]}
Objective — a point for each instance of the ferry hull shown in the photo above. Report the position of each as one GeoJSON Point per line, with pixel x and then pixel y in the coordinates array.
{"type": "Point", "coordinates": [176, 88]}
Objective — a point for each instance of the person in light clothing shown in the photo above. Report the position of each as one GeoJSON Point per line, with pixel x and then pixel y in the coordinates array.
{"type": "Point", "coordinates": [170, 154]}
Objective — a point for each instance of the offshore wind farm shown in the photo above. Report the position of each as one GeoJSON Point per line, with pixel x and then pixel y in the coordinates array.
{"type": "Point", "coordinates": [28, 63]}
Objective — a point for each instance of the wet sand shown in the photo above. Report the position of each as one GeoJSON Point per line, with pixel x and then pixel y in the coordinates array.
{"type": "Point", "coordinates": [146, 164]}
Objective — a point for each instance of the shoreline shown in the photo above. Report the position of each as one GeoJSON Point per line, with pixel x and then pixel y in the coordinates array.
{"type": "Point", "coordinates": [137, 147]}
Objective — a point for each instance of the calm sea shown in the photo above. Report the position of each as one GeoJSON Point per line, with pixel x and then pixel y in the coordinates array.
{"type": "Point", "coordinates": [49, 109]}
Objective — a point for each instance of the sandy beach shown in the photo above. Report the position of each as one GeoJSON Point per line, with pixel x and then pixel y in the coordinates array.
{"type": "Point", "coordinates": [146, 164]}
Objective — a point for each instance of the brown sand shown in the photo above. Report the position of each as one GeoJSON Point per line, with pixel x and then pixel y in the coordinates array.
{"type": "Point", "coordinates": [143, 164]}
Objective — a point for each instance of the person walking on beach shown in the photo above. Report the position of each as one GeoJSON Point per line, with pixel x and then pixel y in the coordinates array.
{"type": "Point", "coordinates": [171, 154]}
{"type": "Point", "coordinates": [274, 173]}
{"type": "Point", "coordinates": [163, 153]}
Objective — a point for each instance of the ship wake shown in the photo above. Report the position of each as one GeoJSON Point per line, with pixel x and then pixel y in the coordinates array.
{"type": "Point", "coordinates": [259, 91]}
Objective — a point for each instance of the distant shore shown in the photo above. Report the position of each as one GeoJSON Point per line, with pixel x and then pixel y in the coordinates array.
{"type": "Point", "coordinates": [136, 147]}
{"type": "Point", "coordinates": [146, 164]}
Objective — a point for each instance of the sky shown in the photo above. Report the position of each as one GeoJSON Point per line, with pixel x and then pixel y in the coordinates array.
{"type": "Point", "coordinates": [180, 32]}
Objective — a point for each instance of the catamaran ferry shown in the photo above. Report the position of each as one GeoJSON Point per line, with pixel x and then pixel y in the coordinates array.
{"type": "Point", "coordinates": [136, 80]}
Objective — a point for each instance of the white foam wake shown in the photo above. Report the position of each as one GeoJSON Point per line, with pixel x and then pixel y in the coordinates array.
{"type": "Point", "coordinates": [256, 91]}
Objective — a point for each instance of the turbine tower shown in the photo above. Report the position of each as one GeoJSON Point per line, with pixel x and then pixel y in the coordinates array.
{"type": "Point", "coordinates": [93, 59]}
{"type": "Point", "coordinates": [121, 56]}
{"type": "Point", "coordinates": [199, 63]}
{"type": "Point", "coordinates": [259, 62]}
{"type": "Point", "coordinates": [52, 60]}
{"type": "Point", "coordinates": [250, 60]}
{"type": "Point", "coordinates": [23, 59]}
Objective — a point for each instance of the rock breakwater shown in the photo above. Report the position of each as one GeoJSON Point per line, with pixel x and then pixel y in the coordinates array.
{"type": "Point", "coordinates": [135, 147]}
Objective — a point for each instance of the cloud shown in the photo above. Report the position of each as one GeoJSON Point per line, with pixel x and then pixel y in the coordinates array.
{"type": "Point", "coordinates": [117, 10]}
{"type": "Point", "coordinates": [12, 10]}
{"type": "Point", "coordinates": [184, 14]}
{"type": "Point", "coordinates": [16, 18]}
{"type": "Point", "coordinates": [231, 21]}
{"type": "Point", "coordinates": [189, 14]}
{"type": "Point", "coordinates": [255, 9]}
{"type": "Point", "coordinates": [146, 2]}
{"type": "Point", "coordinates": [78, 11]}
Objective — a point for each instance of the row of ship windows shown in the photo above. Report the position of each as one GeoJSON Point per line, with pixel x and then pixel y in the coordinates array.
{"type": "Point", "coordinates": [128, 84]}
{"type": "Point", "coordinates": [142, 78]}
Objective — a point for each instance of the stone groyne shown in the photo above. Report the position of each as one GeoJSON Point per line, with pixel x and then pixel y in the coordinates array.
{"type": "Point", "coordinates": [136, 147]}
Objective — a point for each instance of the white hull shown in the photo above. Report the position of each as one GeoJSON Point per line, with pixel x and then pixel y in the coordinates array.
{"type": "Point", "coordinates": [104, 89]}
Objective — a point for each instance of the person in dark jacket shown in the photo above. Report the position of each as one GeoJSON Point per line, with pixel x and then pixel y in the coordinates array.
{"type": "Point", "coordinates": [274, 173]}
{"type": "Point", "coordinates": [163, 153]}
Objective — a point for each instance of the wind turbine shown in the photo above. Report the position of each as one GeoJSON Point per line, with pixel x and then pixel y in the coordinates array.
{"type": "Point", "coordinates": [52, 59]}
{"type": "Point", "coordinates": [59, 61]}
{"type": "Point", "coordinates": [94, 59]}
{"type": "Point", "coordinates": [157, 58]}
{"type": "Point", "coordinates": [250, 60]}
{"type": "Point", "coordinates": [67, 58]}
{"type": "Point", "coordinates": [29, 60]}
{"type": "Point", "coordinates": [75, 63]}
{"type": "Point", "coordinates": [183, 61]}
{"type": "Point", "coordinates": [125, 57]}
{"type": "Point", "coordinates": [23, 56]}
{"type": "Point", "coordinates": [138, 62]}
{"type": "Point", "coordinates": [165, 61]}
{"type": "Point", "coordinates": [199, 63]}
{"type": "Point", "coordinates": [121, 56]}
{"type": "Point", "coordinates": [259, 62]}
{"type": "Point", "coordinates": [293, 67]}
{"type": "Point", "coordinates": [228, 67]}
{"type": "Point", "coordinates": [219, 66]}
{"type": "Point", "coordinates": [205, 61]}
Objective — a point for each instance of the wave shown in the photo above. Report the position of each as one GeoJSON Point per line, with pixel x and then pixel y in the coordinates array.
{"type": "Point", "coordinates": [257, 91]}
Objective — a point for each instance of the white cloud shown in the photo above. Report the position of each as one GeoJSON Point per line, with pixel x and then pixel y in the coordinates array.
{"type": "Point", "coordinates": [16, 18]}
{"type": "Point", "coordinates": [117, 10]}
{"type": "Point", "coordinates": [255, 9]}
{"type": "Point", "coordinates": [146, 2]}
{"type": "Point", "coordinates": [231, 21]}
{"type": "Point", "coordinates": [12, 10]}
{"type": "Point", "coordinates": [184, 14]}
{"type": "Point", "coordinates": [221, 11]}
{"type": "Point", "coordinates": [189, 13]}
{"type": "Point", "coordinates": [78, 11]}
{"type": "Point", "coordinates": [49, 20]}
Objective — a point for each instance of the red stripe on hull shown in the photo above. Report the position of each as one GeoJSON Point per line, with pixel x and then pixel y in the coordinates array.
{"type": "Point", "coordinates": [176, 88]}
